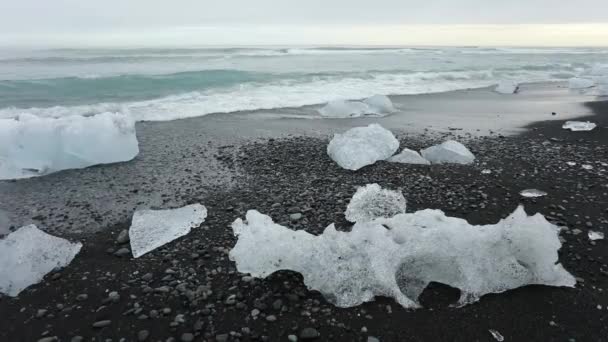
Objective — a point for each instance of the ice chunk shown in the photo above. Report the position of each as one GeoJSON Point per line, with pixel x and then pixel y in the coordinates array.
{"type": "Point", "coordinates": [497, 335]}
{"type": "Point", "coordinates": [151, 229]}
{"type": "Point", "coordinates": [587, 167]}
{"type": "Point", "coordinates": [32, 146]}
{"type": "Point", "coordinates": [28, 254]}
{"type": "Point", "coordinates": [361, 146]}
{"type": "Point", "coordinates": [371, 202]}
{"type": "Point", "coordinates": [595, 235]}
{"type": "Point", "coordinates": [507, 87]}
{"type": "Point", "coordinates": [532, 193]}
{"type": "Point", "coordinates": [486, 171]}
{"type": "Point", "coordinates": [400, 256]}
{"type": "Point", "coordinates": [580, 83]}
{"type": "Point", "coordinates": [408, 156]}
{"type": "Point", "coordinates": [449, 152]}
{"type": "Point", "coordinates": [577, 126]}
{"type": "Point", "coordinates": [377, 105]}
{"type": "Point", "coordinates": [380, 104]}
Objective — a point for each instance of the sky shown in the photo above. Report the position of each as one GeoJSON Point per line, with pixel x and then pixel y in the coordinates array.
{"type": "Point", "coordinates": [303, 22]}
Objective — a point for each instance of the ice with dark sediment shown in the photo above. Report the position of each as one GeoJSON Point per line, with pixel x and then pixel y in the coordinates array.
{"type": "Point", "coordinates": [362, 146]}
{"type": "Point", "coordinates": [407, 156]}
{"type": "Point", "coordinates": [450, 151]}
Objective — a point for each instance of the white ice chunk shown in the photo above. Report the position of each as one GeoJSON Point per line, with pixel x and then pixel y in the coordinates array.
{"type": "Point", "coordinates": [580, 83]}
{"type": "Point", "coordinates": [449, 152]}
{"type": "Point", "coordinates": [377, 105]}
{"type": "Point", "coordinates": [595, 235]}
{"type": "Point", "coordinates": [532, 193]}
{"type": "Point", "coordinates": [28, 254]}
{"type": "Point", "coordinates": [371, 202]}
{"type": "Point", "coordinates": [408, 156]}
{"type": "Point", "coordinates": [507, 87]}
{"type": "Point", "coordinates": [32, 146]}
{"type": "Point", "coordinates": [380, 104]}
{"type": "Point", "coordinates": [400, 256]}
{"type": "Point", "coordinates": [577, 126]}
{"type": "Point", "coordinates": [151, 229]}
{"type": "Point", "coordinates": [361, 146]}
{"type": "Point", "coordinates": [587, 167]}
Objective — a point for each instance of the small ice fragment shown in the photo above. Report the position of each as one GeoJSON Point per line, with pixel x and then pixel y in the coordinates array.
{"type": "Point", "coordinates": [344, 109]}
{"type": "Point", "coordinates": [408, 156]}
{"type": "Point", "coordinates": [28, 254]}
{"type": "Point", "coordinates": [587, 167]}
{"type": "Point", "coordinates": [578, 126]}
{"type": "Point", "coordinates": [371, 202]}
{"type": "Point", "coordinates": [595, 235]}
{"type": "Point", "coordinates": [151, 229]}
{"type": "Point", "coordinates": [580, 83]}
{"type": "Point", "coordinates": [380, 104]}
{"type": "Point", "coordinates": [361, 146]}
{"type": "Point", "coordinates": [449, 152]}
{"type": "Point", "coordinates": [497, 336]}
{"type": "Point", "coordinates": [571, 163]}
{"type": "Point", "coordinates": [486, 171]}
{"type": "Point", "coordinates": [532, 193]}
{"type": "Point", "coordinates": [507, 87]}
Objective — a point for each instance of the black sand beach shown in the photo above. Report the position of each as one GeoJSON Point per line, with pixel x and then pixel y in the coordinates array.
{"type": "Point", "coordinates": [189, 290]}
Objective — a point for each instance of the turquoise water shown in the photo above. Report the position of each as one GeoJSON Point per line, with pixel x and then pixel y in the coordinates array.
{"type": "Point", "coordinates": [166, 84]}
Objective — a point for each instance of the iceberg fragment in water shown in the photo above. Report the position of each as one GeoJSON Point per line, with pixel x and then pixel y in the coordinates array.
{"type": "Point", "coordinates": [577, 126]}
{"type": "Point", "coordinates": [371, 202]}
{"type": "Point", "coordinates": [532, 193]}
{"type": "Point", "coordinates": [377, 105]}
{"type": "Point", "coordinates": [33, 146]}
{"type": "Point", "coordinates": [361, 146]}
{"type": "Point", "coordinates": [28, 254]}
{"type": "Point", "coordinates": [400, 256]}
{"type": "Point", "coordinates": [507, 87]}
{"type": "Point", "coordinates": [408, 156]}
{"type": "Point", "coordinates": [151, 229]}
{"type": "Point", "coordinates": [580, 83]}
{"type": "Point", "coordinates": [449, 152]}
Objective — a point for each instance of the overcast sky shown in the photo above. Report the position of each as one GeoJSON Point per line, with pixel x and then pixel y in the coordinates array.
{"type": "Point", "coordinates": [302, 21]}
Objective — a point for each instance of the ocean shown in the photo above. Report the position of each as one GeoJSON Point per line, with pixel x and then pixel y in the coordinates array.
{"type": "Point", "coordinates": [168, 84]}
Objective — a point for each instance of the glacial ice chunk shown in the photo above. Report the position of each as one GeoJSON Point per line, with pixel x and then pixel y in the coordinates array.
{"type": "Point", "coordinates": [577, 126]}
{"type": "Point", "coordinates": [398, 257]}
{"type": "Point", "coordinates": [33, 146]}
{"type": "Point", "coordinates": [593, 235]}
{"type": "Point", "coordinates": [449, 152]}
{"type": "Point", "coordinates": [380, 104]}
{"type": "Point", "coordinates": [151, 229]}
{"type": "Point", "coordinates": [408, 156]}
{"type": "Point", "coordinates": [371, 202]}
{"type": "Point", "coordinates": [377, 105]}
{"type": "Point", "coordinates": [507, 87]}
{"type": "Point", "coordinates": [532, 193]}
{"type": "Point", "coordinates": [580, 83]}
{"type": "Point", "coordinates": [28, 254]}
{"type": "Point", "coordinates": [361, 146]}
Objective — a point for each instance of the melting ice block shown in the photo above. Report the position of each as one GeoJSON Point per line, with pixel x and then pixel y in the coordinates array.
{"type": "Point", "coordinates": [577, 126]}
{"type": "Point", "coordinates": [380, 104]}
{"type": "Point", "coordinates": [28, 254]}
{"type": "Point", "coordinates": [408, 156]}
{"type": "Point", "coordinates": [449, 152]}
{"type": "Point", "coordinates": [400, 256]}
{"type": "Point", "coordinates": [151, 229]}
{"type": "Point", "coordinates": [580, 83]}
{"type": "Point", "coordinates": [33, 146]}
{"type": "Point", "coordinates": [507, 87]}
{"type": "Point", "coordinates": [361, 146]}
{"type": "Point", "coordinates": [532, 193]}
{"type": "Point", "coordinates": [371, 202]}
{"type": "Point", "coordinates": [377, 105]}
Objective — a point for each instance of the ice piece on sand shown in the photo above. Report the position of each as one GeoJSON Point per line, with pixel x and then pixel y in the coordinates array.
{"type": "Point", "coordinates": [486, 171]}
{"type": "Point", "coordinates": [507, 87]}
{"type": "Point", "coordinates": [576, 126]}
{"type": "Point", "coordinates": [371, 202]}
{"type": "Point", "coordinates": [449, 152]}
{"type": "Point", "coordinates": [28, 254]}
{"type": "Point", "coordinates": [497, 335]}
{"type": "Point", "coordinates": [33, 146]}
{"type": "Point", "coordinates": [380, 104]}
{"type": "Point", "coordinates": [595, 235]}
{"type": "Point", "coordinates": [361, 146]}
{"type": "Point", "coordinates": [400, 256]}
{"type": "Point", "coordinates": [151, 229]}
{"type": "Point", "coordinates": [532, 193]}
{"type": "Point", "coordinates": [408, 156]}
{"type": "Point", "coordinates": [377, 105]}
{"type": "Point", "coordinates": [580, 83]}
{"type": "Point", "coordinates": [587, 167]}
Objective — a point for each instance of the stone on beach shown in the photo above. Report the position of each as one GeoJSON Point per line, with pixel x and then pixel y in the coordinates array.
{"type": "Point", "coordinates": [448, 152]}
{"type": "Point", "coordinates": [579, 126]}
{"type": "Point", "coordinates": [151, 229]}
{"type": "Point", "coordinates": [361, 146]}
{"type": "Point", "coordinates": [28, 254]}
{"type": "Point", "coordinates": [371, 202]}
{"type": "Point", "coordinates": [407, 156]}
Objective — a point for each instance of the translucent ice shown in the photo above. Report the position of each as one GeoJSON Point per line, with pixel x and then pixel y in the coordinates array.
{"type": "Point", "coordinates": [449, 152]}
{"type": "Point", "coordinates": [380, 104]}
{"type": "Point", "coordinates": [580, 83]}
{"type": "Point", "coordinates": [595, 235]}
{"type": "Point", "coordinates": [400, 256]}
{"type": "Point", "coordinates": [408, 156]}
{"type": "Point", "coordinates": [371, 202]}
{"type": "Point", "coordinates": [577, 126]}
{"type": "Point", "coordinates": [507, 87]}
{"type": "Point", "coordinates": [151, 229]}
{"type": "Point", "coordinates": [32, 146]}
{"type": "Point", "coordinates": [361, 146]}
{"type": "Point", "coordinates": [377, 105]}
{"type": "Point", "coordinates": [28, 254]}
{"type": "Point", "coordinates": [532, 193]}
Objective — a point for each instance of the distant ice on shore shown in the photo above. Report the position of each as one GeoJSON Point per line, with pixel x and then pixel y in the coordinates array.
{"type": "Point", "coordinates": [507, 87]}
{"type": "Point", "coordinates": [377, 105]}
